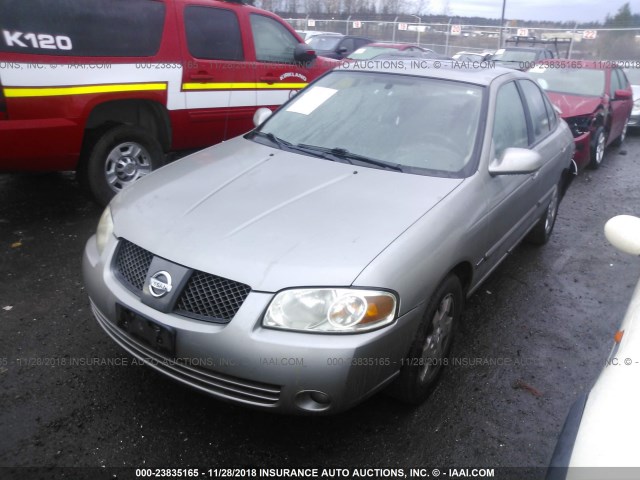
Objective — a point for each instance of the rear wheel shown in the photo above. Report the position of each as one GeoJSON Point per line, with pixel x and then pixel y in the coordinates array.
{"type": "Point", "coordinates": [620, 140]}
{"type": "Point", "coordinates": [118, 158]}
{"type": "Point", "coordinates": [430, 349]}
{"type": "Point", "coordinates": [598, 145]}
{"type": "Point", "coordinates": [540, 234]}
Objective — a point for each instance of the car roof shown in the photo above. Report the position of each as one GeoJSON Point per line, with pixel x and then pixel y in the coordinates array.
{"type": "Point", "coordinates": [445, 69]}
{"type": "Point", "coordinates": [392, 45]}
{"type": "Point", "coordinates": [525, 49]}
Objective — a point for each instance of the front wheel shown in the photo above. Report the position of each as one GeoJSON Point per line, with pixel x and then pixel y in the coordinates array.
{"type": "Point", "coordinates": [118, 158]}
{"type": "Point", "coordinates": [597, 148]}
{"type": "Point", "coordinates": [430, 349]}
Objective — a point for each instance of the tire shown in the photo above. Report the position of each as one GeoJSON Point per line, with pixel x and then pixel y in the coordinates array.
{"type": "Point", "coordinates": [116, 159]}
{"type": "Point", "coordinates": [620, 140]}
{"type": "Point", "coordinates": [431, 345]}
{"type": "Point", "coordinates": [598, 145]}
{"type": "Point", "coordinates": [540, 234]}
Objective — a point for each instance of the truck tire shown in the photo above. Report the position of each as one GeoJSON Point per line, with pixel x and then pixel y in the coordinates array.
{"type": "Point", "coordinates": [119, 157]}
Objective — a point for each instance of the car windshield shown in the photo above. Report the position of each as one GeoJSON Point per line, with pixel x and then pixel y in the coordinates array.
{"type": "Point", "coordinates": [324, 42]}
{"type": "Point", "coordinates": [633, 74]}
{"type": "Point", "coordinates": [516, 55]}
{"type": "Point", "coordinates": [415, 124]}
{"type": "Point", "coordinates": [365, 53]}
{"type": "Point", "coordinates": [574, 81]}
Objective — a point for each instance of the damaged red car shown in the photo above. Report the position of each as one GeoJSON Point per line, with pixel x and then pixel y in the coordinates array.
{"type": "Point", "coordinates": [594, 98]}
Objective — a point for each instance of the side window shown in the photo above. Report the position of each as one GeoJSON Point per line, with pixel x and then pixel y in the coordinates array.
{"type": "Point", "coordinates": [615, 83]}
{"type": "Point", "coordinates": [273, 42]}
{"type": "Point", "coordinates": [349, 44]}
{"type": "Point", "coordinates": [91, 28]}
{"type": "Point", "coordinates": [361, 42]}
{"type": "Point", "coordinates": [622, 79]}
{"type": "Point", "coordinates": [551, 112]}
{"type": "Point", "coordinates": [537, 110]}
{"type": "Point", "coordinates": [509, 125]}
{"type": "Point", "coordinates": [213, 33]}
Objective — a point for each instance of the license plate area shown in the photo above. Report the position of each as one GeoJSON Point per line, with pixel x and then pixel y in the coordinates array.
{"type": "Point", "coordinates": [158, 337]}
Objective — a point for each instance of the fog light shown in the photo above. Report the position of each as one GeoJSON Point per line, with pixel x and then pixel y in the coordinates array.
{"type": "Point", "coordinates": [312, 400]}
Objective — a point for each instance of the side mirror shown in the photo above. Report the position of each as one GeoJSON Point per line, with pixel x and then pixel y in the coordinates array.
{"type": "Point", "coordinates": [622, 95]}
{"type": "Point", "coordinates": [342, 50]}
{"type": "Point", "coordinates": [261, 116]}
{"type": "Point", "coordinates": [304, 53]}
{"type": "Point", "coordinates": [623, 232]}
{"type": "Point", "coordinates": [516, 161]}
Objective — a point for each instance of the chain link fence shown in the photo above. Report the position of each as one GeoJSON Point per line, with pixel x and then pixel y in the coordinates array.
{"type": "Point", "coordinates": [449, 38]}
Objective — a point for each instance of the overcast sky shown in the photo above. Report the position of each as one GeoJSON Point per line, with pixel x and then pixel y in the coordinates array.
{"type": "Point", "coordinates": [558, 10]}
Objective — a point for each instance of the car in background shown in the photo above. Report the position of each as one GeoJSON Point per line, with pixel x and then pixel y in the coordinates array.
{"type": "Point", "coordinates": [520, 58]}
{"type": "Point", "coordinates": [308, 34]}
{"type": "Point", "coordinates": [302, 267]}
{"type": "Point", "coordinates": [594, 98]}
{"type": "Point", "coordinates": [472, 56]}
{"type": "Point", "coordinates": [633, 74]}
{"type": "Point", "coordinates": [601, 428]}
{"type": "Point", "coordinates": [337, 46]}
{"type": "Point", "coordinates": [373, 50]}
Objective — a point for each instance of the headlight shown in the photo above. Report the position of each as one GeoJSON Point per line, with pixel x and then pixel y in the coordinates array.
{"type": "Point", "coordinates": [104, 230]}
{"type": "Point", "coordinates": [335, 310]}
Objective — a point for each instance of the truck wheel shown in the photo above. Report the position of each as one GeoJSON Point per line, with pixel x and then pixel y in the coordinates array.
{"type": "Point", "coordinates": [119, 157]}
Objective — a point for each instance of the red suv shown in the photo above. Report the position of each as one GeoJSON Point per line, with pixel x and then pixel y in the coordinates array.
{"type": "Point", "coordinates": [108, 87]}
{"type": "Point", "coordinates": [594, 98]}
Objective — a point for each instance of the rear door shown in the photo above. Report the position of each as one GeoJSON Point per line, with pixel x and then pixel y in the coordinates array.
{"type": "Point", "coordinates": [219, 99]}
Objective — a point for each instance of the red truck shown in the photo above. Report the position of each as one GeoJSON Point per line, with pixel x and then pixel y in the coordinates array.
{"type": "Point", "coordinates": [108, 87]}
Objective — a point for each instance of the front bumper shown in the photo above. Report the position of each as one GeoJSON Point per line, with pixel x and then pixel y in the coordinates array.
{"type": "Point", "coordinates": [634, 120]}
{"type": "Point", "coordinates": [244, 363]}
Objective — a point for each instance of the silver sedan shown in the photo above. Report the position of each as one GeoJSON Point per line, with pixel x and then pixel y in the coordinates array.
{"type": "Point", "coordinates": [326, 255]}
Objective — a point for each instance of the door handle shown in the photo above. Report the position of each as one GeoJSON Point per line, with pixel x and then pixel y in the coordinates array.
{"type": "Point", "coordinates": [201, 77]}
{"type": "Point", "coordinates": [269, 79]}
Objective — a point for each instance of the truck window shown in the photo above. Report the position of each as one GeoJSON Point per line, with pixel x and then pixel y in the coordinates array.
{"type": "Point", "coordinates": [273, 42]}
{"type": "Point", "coordinates": [88, 28]}
{"type": "Point", "coordinates": [213, 33]}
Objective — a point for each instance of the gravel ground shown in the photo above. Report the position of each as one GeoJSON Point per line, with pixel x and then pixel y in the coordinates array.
{"type": "Point", "coordinates": [531, 340]}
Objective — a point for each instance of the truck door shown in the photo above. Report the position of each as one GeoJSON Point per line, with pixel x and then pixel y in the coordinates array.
{"type": "Point", "coordinates": [216, 85]}
{"type": "Point", "coordinates": [278, 75]}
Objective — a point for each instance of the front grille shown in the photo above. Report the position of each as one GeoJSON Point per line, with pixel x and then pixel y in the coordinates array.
{"type": "Point", "coordinates": [210, 296]}
{"type": "Point", "coordinates": [132, 265]}
{"type": "Point", "coordinates": [205, 297]}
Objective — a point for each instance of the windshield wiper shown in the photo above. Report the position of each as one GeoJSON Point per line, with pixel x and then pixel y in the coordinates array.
{"type": "Point", "coordinates": [344, 154]}
{"type": "Point", "coordinates": [278, 142]}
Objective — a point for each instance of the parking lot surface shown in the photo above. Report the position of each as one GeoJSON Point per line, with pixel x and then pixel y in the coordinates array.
{"type": "Point", "coordinates": [532, 339]}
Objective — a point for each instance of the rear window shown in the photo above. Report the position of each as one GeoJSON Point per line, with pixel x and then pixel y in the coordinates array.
{"type": "Point", "coordinates": [90, 28]}
{"type": "Point", "coordinates": [213, 33]}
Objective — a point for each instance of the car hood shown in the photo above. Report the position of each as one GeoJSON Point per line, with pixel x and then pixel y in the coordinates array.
{"type": "Point", "coordinates": [272, 219]}
{"type": "Point", "coordinates": [636, 92]}
{"type": "Point", "coordinates": [574, 105]}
